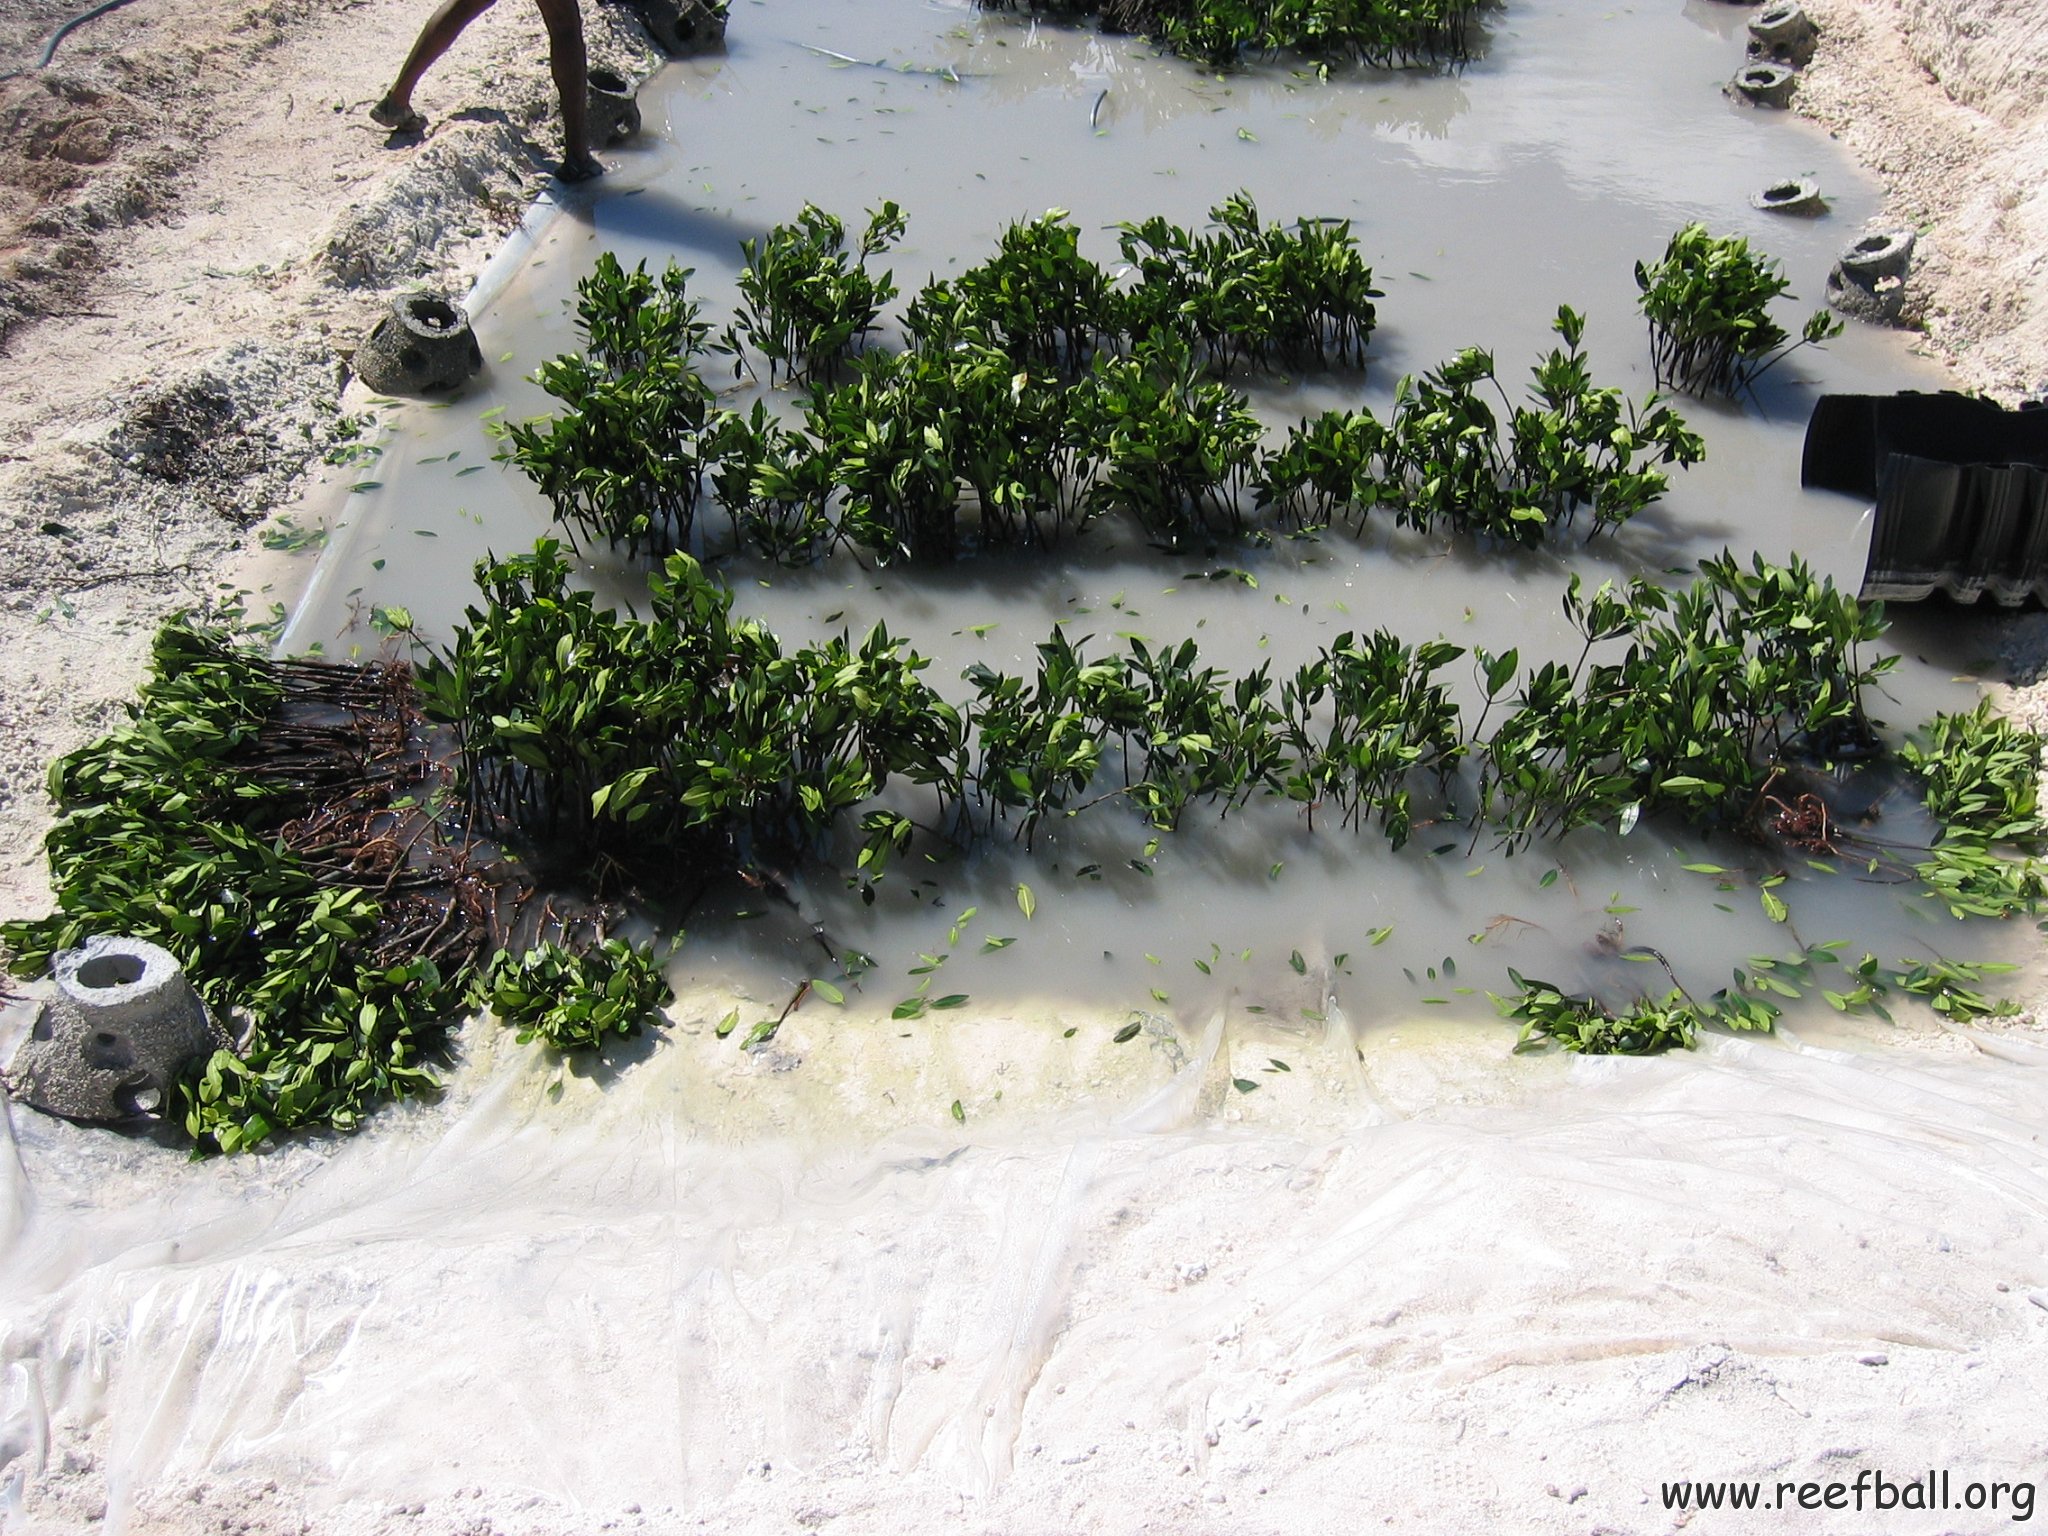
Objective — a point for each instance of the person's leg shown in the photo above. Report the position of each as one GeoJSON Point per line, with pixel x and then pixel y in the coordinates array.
{"type": "Point", "coordinates": [435, 39]}
{"type": "Point", "coordinates": [571, 68]}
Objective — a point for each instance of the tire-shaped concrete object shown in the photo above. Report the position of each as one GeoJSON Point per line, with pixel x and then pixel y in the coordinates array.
{"type": "Point", "coordinates": [1887, 253]}
{"type": "Point", "coordinates": [1798, 196]}
{"type": "Point", "coordinates": [614, 115]}
{"type": "Point", "coordinates": [683, 27]}
{"type": "Point", "coordinates": [1782, 26]}
{"type": "Point", "coordinates": [110, 1045]}
{"type": "Point", "coordinates": [423, 347]}
{"type": "Point", "coordinates": [1881, 304]}
{"type": "Point", "coordinates": [1765, 85]}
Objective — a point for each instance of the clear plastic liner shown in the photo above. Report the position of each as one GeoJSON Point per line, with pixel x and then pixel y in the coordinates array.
{"type": "Point", "coordinates": [552, 1307]}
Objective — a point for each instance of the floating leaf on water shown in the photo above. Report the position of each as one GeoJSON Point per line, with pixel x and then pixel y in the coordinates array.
{"type": "Point", "coordinates": [1128, 1032]}
{"type": "Point", "coordinates": [830, 993]}
{"type": "Point", "coordinates": [1380, 936]}
{"type": "Point", "coordinates": [1027, 903]}
{"type": "Point", "coordinates": [1244, 1085]}
{"type": "Point", "coordinates": [729, 1023]}
{"type": "Point", "coordinates": [1774, 909]}
{"type": "Point", "coordinates": [1549, 879]}
{"type": "Point", "coordinates": [1300, 965]}
{"type": "Point", "coordinates": [992, 943]}
{"type": "Point", "coordinates": [959, 1114]}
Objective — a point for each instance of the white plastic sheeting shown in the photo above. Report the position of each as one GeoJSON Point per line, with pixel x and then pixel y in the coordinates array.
{"type": "Point", "coordinates": [1502, 1296]}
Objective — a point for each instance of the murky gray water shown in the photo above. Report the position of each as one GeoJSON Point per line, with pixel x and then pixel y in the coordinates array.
{"type": "Point", "coordinates": [1536, 177]}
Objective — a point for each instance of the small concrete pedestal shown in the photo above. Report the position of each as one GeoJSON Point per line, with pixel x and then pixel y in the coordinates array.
{"type": "Point", "coordinates": [123, 1026]}
{"type": "Point", "coordinates": [423, 347]}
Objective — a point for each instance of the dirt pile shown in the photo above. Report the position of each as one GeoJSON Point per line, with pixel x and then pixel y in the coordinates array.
{"type": "Point", "coordinates": [1948, 101]}
{"type": "Point", "coordinates": [197, 221]}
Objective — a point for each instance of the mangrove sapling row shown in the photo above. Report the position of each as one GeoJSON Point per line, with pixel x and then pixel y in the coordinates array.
{"type": "Point", "coordinates": [264, 822]}
{"type": "Point", "coordinates": [986, 418]}
{"type": "Point", "coordinates": [1724, 686]}
{"type": "Point", "coordinates": [689, 732]}
{"type": "Point", "coordinates": [1382, 33]}
{"type": "Point", "coordinates": [693, 733]}
{"type": "Point", "coordinates": [1708, 303]}
{"type": "Point", "coordinates": [1446, 463]}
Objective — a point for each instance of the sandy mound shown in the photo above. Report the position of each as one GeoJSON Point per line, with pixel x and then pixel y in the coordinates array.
{"type": "Point", "coordinates": [1948, 101]}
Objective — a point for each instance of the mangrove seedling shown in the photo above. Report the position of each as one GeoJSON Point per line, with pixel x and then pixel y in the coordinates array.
{"type": "Point", "coordinates": [1708, 304]}
{"type": "Point", "coordinates": [804, 302]}
{"type": "Point", "coordinates": [624, 461]}
{"type": "Point", "coordinates": [1176, 446]}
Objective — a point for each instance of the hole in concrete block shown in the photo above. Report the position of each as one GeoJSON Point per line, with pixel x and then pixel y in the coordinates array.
{"type": "Point", "coordinates": [432, 314]}
{"type": "Point", "coordinates": [138, 1096]}
{"type": "Point", "coordinates": [108, 1051]}
{"type": "Point", "coordinates": [111, 971]}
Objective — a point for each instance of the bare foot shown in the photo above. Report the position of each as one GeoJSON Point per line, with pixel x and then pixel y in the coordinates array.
{"type": "Point", "coordinates": [583, 167]}
{"type": "Point", "coordinates": [398, 116]}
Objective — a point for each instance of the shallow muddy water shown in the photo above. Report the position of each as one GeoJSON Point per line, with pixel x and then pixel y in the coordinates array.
{"type": "Point", "coordinates": [1484, 199]}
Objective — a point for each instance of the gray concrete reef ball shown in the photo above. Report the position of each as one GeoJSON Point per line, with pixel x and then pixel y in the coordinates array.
{"type": "Point", "coordinates": [123, 1026]}
{"type": "Point", "coordinates": [424, 346]}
